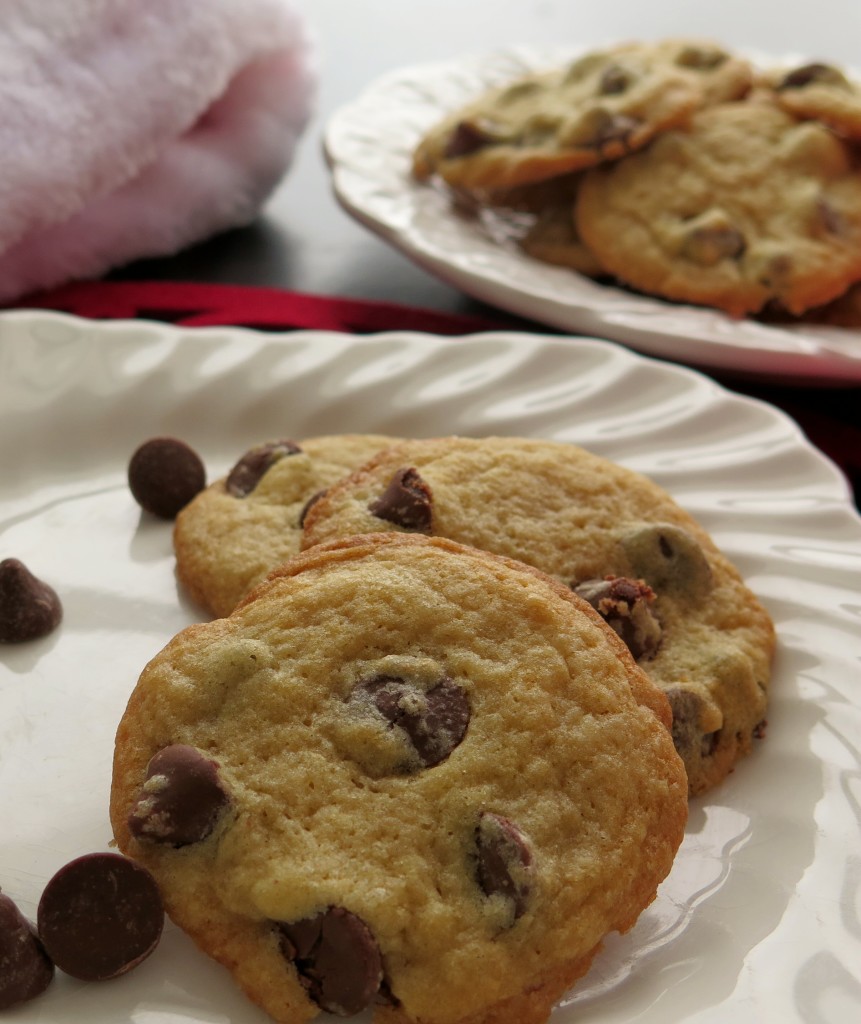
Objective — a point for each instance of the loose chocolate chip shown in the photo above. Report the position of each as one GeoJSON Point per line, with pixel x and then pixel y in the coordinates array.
{"type": "Point", "coordinates": [405, 502]}
{"type": "Point", "coordinates": [25, 968]}
{"type": "Point", "coordinates": [669, 559]}
{"type": "Point", "coordinates": [504, 861]}
{"type": "Point", "coordinates": [164, 475]}
{"type": "Point", "coordinates": [434, 720]}
{"type": "Point", "coordinates": [181, 799]}
{"type": "Point", "coordinates": [808, 74]}
{"type": "Point", "coordinates": [100, 916]}
{"type": "Point", "coordinates": [255, 463]}
{"type": "Point", "coordinates": [337, 958]}
{"type": "Point", "coordinates": [614, 80]}
{"type": "Point", "coordinates": [306, 508]}
{"type": "Point", "coordinates": [468, 137]}
{"type": "Point", "coordinates": [624, 605]}
{"type": "Point", "coordinates": [29, 608]}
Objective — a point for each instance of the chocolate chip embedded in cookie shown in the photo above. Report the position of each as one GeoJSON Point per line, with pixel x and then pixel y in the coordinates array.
{"type": "Point", "coordinates": [821, 91]}
{"type": "Point", "coordinates": [747, 206]}
{"type": "Point", "coordinates": [599, 107]}
{"type": "Point", "coordinates": [624, 545]}
{"type": "Point", "coordinates": [447, 780]}
{"type": "Point", "coordinates": [245, 524]}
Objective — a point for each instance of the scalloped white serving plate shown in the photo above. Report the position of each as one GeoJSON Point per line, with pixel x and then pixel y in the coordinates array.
{"type": "Point", "coordinates": [369, 143]}
{"type": "Point", "coordinates": [760, 919]}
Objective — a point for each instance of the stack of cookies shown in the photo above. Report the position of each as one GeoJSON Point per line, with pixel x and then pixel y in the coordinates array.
{"type": "Point", "coordinates": [442, 739]}
{"type": "Point", "coordinates": [675, 168]}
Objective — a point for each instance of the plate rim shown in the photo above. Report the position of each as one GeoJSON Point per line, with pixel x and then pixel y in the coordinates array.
{"type": "Point", "coordinates": [801, 354]}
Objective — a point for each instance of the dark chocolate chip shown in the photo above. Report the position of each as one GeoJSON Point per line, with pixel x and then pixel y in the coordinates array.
{"type": "Point", "coordinates": [468, 137]}
{"type": "Point", "coordinates": [688, 737]}
{"type": "Point", "coordinates": [405, 502]}
{"type": "Point", "coordinates": [709, 743]}
{"type": "Point", "coordinates": [164, 475]}
{"type": "Point", "coordinates": [504, 861]}
{"type": "Point", "coordinates": [609, 128]}
{"type": "Point", "coordinates": [181, 799]}
{"type": "Point", "coordinates": [337, 958]}
{"type": "Point", "coordinates": [614, 80]}
{"type": "Point", "coordinates": [708, 244]}
{"type": "Point", "coordinates": [434, 720]}
{"type": "Point", "coordinates": [808, 74]}
{"type": "Point", "coordinates": [309, 504]}
{"type": "Point", "coordinates": [255, 464]}
{"type": "Point", "coordinates": [624, 605]}
{"type": "Point", "coordinates": [100, 916]}
{"type": "Point", "coordinates": [25, 968]}
{"type": "Point", "coordinates": [759, 729]}
{"type": "Point", "coordinates": [29, 608]}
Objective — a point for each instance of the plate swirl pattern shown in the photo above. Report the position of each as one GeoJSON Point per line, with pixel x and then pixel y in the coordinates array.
{"type": "Point", "coordinates": [369, 143]}
{"type": "Point", "coordinates": [761, 916]}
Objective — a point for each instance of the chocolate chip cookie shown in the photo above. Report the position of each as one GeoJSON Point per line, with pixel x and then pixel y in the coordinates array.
{"type": "Point", "coordinates": [402, 774]}
{"type": "Point", "coordinates": [599, 107]}
{"type": "Point", "coordinates": [746, 206]}
{"type": "Point", "coordinates": [238, 529]}
{"type": "Point", "coordinates": [613, 536]}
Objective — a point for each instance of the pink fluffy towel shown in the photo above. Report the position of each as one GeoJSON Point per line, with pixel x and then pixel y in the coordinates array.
{"type": "Point", "coordinates": [133, 128]}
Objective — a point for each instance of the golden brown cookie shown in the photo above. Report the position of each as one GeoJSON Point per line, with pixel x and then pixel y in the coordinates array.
{"type": "Point", "coordinates": [402, 774]}
{"type": "Point", "coordinates": [745, 207]}
{"type": "Point", "coordinates": [601, 106]}
{"type": "Point", "coordinates": [233, 533]}
{"type": "Point", "coordinates": [684, 611]}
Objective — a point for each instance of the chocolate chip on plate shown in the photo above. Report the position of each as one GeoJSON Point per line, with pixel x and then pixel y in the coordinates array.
{"type": "Point", "coordinates": [405, 502]}
{"type": "Point", "coordinates": [337, 958]}
{"type": "Point", "coordinates": [504, 861]}
{"type": "Point", "coordinates": [29, 608]}
{"type": "Point", "coordinates": [434, 720]}
{"type": "Point", "coordinates": [164, 475]}
{"type": "Point", "coordinates": [181, 798]}
{"type": "Point", "coordinates": [255, 464]}
{"type": "Point", "coordinates": [100, 916]}
{"type": "Point", "coordinates": [25, 968]}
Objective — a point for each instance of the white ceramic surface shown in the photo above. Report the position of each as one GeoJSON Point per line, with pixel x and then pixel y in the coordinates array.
{"type": "Point", "coordinates": [759, 921]}
{"type": "Point", "coordinates": [369, 143]}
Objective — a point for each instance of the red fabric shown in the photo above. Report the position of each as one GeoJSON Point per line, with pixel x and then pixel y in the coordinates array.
{"type": "Point", "coordinates": [831, 417]}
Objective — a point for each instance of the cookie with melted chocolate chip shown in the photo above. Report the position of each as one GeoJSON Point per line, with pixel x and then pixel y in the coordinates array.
{"type": "Point", "coordinates": [618, 539]}
{"type": "Point", "coordinates": [600, 106]}
{"type": "Point", "coordinates": [433, 781]}
{"type": "Point", "coordinates": [243, 525]}
{"type": "Point", "coordinates": [744, 207]}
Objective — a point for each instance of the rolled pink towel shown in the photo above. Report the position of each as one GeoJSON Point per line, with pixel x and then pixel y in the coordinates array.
{"type": "Point", "coordinates": [135, 129]}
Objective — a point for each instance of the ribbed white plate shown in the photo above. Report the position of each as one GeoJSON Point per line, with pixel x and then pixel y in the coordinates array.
{"type": "Point", "coordinates": [369, 143]}
{"type": "Point", "coordinates": [760, 919]}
